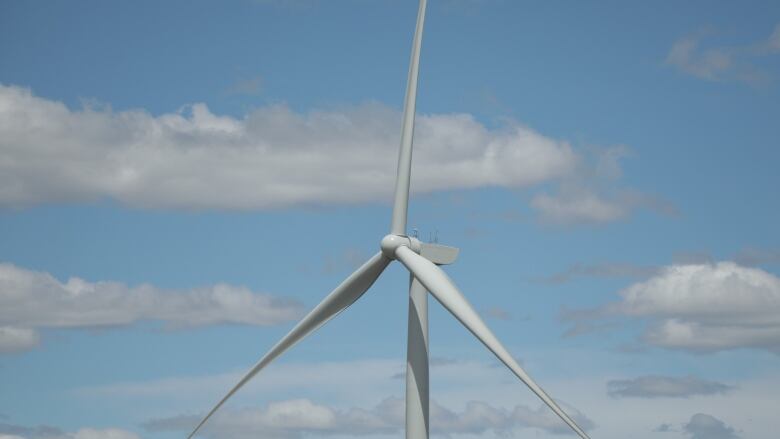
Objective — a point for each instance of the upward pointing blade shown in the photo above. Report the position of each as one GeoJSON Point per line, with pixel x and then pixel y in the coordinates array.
{"type": "Point", "coordinates": [401, 203]}
{"type": "Point", "coordinates": [343, 296]}
{"type": "Point", "coordinates": [442, 288]}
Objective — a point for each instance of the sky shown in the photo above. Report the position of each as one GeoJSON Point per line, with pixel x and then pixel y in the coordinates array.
{"type": "Point", "coordinates": [181, 181]}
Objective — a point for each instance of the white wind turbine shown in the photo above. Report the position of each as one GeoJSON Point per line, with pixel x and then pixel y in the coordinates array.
{"type": "Point", "coordinates": [422, 260]}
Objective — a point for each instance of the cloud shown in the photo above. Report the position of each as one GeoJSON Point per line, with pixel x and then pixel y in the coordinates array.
{"type": "Point", "coordinates": [575, 206]}
{"type": "Point", "coordinates": [283, 419]}
{"type": "Point", "coordinates": [749, 257]}
{"type": "Point", "coordinates": [710, 64]}
{"type": "Point", "coordinates": [579, 200]}
{"type": "Point", "coordinates": [31, 299]}
{"type": "Point", "coordinates": [296, 418]}
{"type": "Point", "coordinates": [327, 377]}
{"type": "Point", "coordinates": [588, 194]}
{"type": "Point", "coordinates": [653, 386]}
{"type": "Point", "coordinates": [583, 204]}
{"type": "Point", "coordinates": [751, 404]}
{"type": "Point", "coordinates": [270, 158]}
{"type": "Point", "coordinates": [752, 257]}
{"type": "Point", "coordinates": [41, 431]}
{"type": "Point", "coordinates": [702, 307]}
{"type": "Point", "coordinates": [17, 339]}
{"type": "Point", "coordinates": [9, 431]}
{"type": "Point", "coordinates": [543, 418]}
{"type": "Point", "coordinates": [723, 63]}
{"type": "Point", "coordinates": [703, 426]}
{"type": "Point", "coordinates": [110, 433]}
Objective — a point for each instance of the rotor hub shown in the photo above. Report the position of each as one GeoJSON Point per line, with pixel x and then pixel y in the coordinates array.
{"type": "Point", "coordinates": [390, 243]}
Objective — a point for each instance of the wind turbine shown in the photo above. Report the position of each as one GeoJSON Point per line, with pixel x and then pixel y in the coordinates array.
{"type": "Point", "coordinates": [422, 261]}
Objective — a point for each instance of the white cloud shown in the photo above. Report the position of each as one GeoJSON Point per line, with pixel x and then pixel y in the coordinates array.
{"type": "Point", "coordinates": [272, 157]}
{"type": "Point", "coordinates": [704, 307]}
{"type": "Point", "coordinates": [32, 299]}
{"type": "Point", "coordinates": [296, 418]}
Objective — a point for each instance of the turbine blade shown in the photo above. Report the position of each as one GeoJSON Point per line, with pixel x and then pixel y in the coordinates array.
{"type": "Point", "coordinates": [444, 290]}
{"type": "Point", "coordinates": [338, 300]}
{"type": "Point", "coordinates": [401, 202]}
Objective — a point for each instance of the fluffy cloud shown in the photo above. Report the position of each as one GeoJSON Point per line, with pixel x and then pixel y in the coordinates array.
{"type": "Point", "coordinates": [271, 157]}
{"type": "Point", "coordinates": [703, 307]}
{"type": "Point", "coordinates": [32, 299]}
{"type": "Point", "coordinates": [708, 307]}
{"type": "Point", "coordinates": [703, 426]}
{"type": "Point", "coordinates": [296, 418]}
{"type": "Point", "coordinates": [653, 386]}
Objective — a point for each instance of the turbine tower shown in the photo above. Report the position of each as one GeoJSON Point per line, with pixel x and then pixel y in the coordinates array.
{"type": "Point", "coordinates": [422, 260]}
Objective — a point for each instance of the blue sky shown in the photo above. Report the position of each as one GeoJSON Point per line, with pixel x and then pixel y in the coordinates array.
{"type": "Point", "coordinates": [181, 181]}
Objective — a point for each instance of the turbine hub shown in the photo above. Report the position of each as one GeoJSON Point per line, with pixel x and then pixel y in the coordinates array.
{"type": "Point", "coordinates": [391, 242]}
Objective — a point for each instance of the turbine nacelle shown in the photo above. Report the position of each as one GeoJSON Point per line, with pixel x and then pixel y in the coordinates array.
{"type": "Point", "coordinates": [391, 242]}
{"type": "Point", "coordinates": [434, 252]}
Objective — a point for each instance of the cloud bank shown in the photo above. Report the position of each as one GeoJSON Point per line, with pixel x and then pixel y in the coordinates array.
{"type": "Point", "coordinates": [294, 419]}
{"type": "Point", "coordinates": [30, 300]}
{"type": "Point", "coordinates": [272, 157]}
